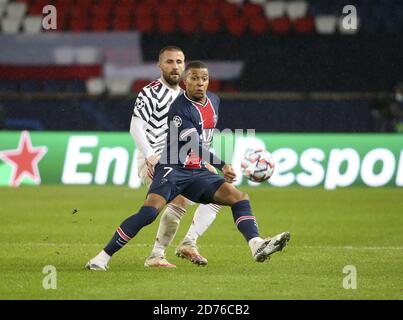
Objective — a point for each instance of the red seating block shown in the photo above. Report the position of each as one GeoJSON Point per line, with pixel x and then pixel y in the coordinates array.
{"type": "Point", "coordinates": [99, 24]}
{"type": "Point", "coordinates": [259, 25]}
{"type": "Point", "coordinates": [236, 26]}
{"type": "Point", "coordinates": [78, 25]}
{"type": "Point", "coordinates": [214, 85]}
{"type": "Point", "coordinates": [144, 23]}
{"type": "Point", "coordinates": [281, 25]}
{"type": "Point", "coordinates": [211, 25]}
{"type": "Point", "coordinates": [121, 24]}
{"type": "Point", "coordinates": [304, 25]}
{"type": "Point", "coordinates": [252, 11]}
{"type": "Point", "coordinates": [188, 24]}
{"type": "Point", "coordinates": [166, 24]}
{"type": "Point", "coordinates": [138, 85]}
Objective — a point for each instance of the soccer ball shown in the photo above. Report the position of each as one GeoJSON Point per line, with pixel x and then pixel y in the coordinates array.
{"type": "Point", "coordinates": [257, 165]}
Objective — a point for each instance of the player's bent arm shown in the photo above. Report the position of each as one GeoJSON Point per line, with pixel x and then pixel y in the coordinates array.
{"type": "Point", "coordinates": [137, 131]}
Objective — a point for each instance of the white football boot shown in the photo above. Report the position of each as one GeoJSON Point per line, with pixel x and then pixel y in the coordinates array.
{"type": "Point", "coordinates": [98, 263]}
{"type": "Point", "coordinates": [158, 261]}
{"type": "Point", "coordinates": [191, 253]}
{"type": "Point", "coordinates": [269, 246]}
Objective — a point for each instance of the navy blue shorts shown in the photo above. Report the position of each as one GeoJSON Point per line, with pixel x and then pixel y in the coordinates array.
{"type": "Point", "coordinates": [197, 185]}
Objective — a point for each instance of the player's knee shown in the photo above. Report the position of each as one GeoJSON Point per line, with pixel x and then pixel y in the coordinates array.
{"type": "Point", "coordinates": [155, 201]}
{"type": "Point", "coordinates": [240, 196]}
{"type": "Point", "coordinates": [244, 196]}
{"type": "Point", "coordinates": [175, 210]}
{"type": "Point", "coordinates": [237, 197]}
{"type": "Point", "coordinates": [180, 202]}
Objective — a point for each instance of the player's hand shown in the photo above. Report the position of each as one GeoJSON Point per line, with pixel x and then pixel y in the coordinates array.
{"type": "Point", "coordinates": [229, 173]}
{"type": "Point", "coordinates": [210, 168]}
{"type": "Point", "coordinates": [151, 161]}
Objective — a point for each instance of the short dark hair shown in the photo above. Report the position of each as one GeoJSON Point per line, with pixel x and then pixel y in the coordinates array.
{"type": "Point", "coordinates": [169, 48]}
{"type": "Point", "coordinates": [196, 64]}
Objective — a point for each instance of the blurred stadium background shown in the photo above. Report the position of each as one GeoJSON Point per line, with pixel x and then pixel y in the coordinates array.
{"type": "Point", "coordinates": [316, 93]}
{"type": "Point", "coordinates": [291, 64]}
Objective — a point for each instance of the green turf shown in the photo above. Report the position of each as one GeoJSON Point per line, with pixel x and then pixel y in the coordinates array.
{"type": "Point", "coordinates": [330, 229]}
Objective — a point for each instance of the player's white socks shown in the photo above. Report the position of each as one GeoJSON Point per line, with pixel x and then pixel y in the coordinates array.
{"type": "Point", "coordinates": [203, 218]}
{"type": "Point", "coordinates": [167, 228]}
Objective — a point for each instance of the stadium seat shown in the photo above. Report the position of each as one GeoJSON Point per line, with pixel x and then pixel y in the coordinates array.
{"type": "Point", "coordinates": [99, 23]}
{"type": "Point", "coordinates": [166, 24]}
{"type": "Point", "coordinates": [32, 24]}
{"type": "Point", "coordinates": [237, 26]}
{"type": "Point", "coordinates": [16, 9]}
{"type": "Point", "coordinates": [214, 85]}
{"type": "Point", "coordinates": [326, 24]}
{"type": "Point", "coordinates": [259, 25]}
{"type": "Point", "coordinates": [87, 55]}
{"type": "Point", "coordinates": [37, 8]}
{"type": "Point", "coordinates": [304, 25]}
{"type": "Point", "coordinates": [274, 9]}
{"type": "Point", "coordinates": [296, 9]}
{"type": "Point", "coordinates": [95, 86]}
{"type": "Point", "coordinates": [252, 11]}
{"type": "Point", "coordinates": [207, 11]}
{"type": "Point", "coordinates": [121, 24]}
{"type": "Point", "coordinates": [64, 55]}
{"type": "Point", "coordinates": [188, 24]}
{"type": "Point", "coordinates": [229, 11]}
{"type": "Point", "coordinates": [118, 86]}
{"type": "Point", "coordinates": [140, 84]}
{"type": "Point", "coordinates": [281, 25]}
{"type": "Point", "coordinates": [10, 25]}
{"type": "Point", "coordinates": [211, 25]}
{"type": "Point", "coordinates": [144, 23]}
{"type": "Point", "coordinates": [78, 25]}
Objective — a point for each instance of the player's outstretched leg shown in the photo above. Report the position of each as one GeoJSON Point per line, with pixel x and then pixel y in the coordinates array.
{"type": "Point", "coordinates": [261, 248]}
{"type": "Point", "coordinates": [203, 218]}
{"type": "Point", "coordinates": [127, 230]}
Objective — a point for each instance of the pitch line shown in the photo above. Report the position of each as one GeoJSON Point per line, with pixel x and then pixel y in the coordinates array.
{"type": "Point", "coordinates": [50, 244]}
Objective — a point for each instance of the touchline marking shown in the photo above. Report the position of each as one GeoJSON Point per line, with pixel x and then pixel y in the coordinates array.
{"type": "Point", "coordinates": [49, 244]}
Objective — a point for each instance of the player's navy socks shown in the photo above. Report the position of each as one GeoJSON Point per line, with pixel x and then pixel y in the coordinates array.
{"type": "Point", "coordinates": [244, 219]}
{"type": "Point", "coordinates": [130, 227]}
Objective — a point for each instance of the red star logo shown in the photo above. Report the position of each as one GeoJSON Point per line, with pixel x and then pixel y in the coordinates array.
{"type": "Point", "coordinates": [24, 160]}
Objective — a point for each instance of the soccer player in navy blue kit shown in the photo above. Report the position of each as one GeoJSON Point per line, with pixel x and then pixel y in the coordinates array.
{"type": "Point", "coordinates": [182, 169]}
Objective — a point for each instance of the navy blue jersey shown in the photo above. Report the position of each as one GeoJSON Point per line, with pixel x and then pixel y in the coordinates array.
{"type": "Point", "coordinates": [185, 117]}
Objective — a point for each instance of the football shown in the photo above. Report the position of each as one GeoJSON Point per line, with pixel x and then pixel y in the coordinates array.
{"type": "Point", "coordinates": [257, 165]}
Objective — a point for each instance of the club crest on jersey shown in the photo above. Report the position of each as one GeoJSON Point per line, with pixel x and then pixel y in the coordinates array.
{"type": "Point", "coordinates": [139, 103]}
{"type": "Point", "coordinates": [177, 121]}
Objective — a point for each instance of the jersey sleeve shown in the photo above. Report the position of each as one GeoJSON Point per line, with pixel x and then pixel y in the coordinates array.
{"type": "Point", "coordinates": [143, 106]}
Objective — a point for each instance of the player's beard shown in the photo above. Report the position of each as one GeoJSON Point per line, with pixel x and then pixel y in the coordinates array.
{"type": "Point", "coordinates": [170, 79]}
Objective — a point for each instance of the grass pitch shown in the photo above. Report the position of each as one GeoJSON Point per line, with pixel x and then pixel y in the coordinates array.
{"type": "Point", "coordinates": [330, 230]}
